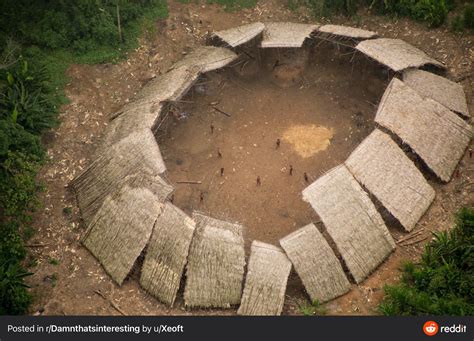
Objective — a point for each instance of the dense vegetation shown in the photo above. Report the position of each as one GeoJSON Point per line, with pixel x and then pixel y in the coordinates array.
{"type": "Point", "coordinates": [443, 282]}
{"type": "Point", "coordinates": [38, 40]}
{"type": "Point", "coordinates": [433, 12]}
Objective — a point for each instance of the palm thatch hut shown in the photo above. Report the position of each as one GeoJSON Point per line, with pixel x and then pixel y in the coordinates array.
{"type": "Point", "coordinates": [439, 89]}
{"type": "Point", "coordinates": [285, 34]}
{"type": "Point", "coordinates": [135, 161]}
{"type": "Point", "coordinates": [396, 54]}
{"type": "Point", "coordinates": [384, 169]}
{"type": "Point", "coordinates": [216, 261]}
{"type": "Point", "coordinates": [167, 253]}
{"type": "Point", "coordinates": [345, 32]}
{"type": "Point", "coordinates": [316, 264]}
{"type": "Point", "coordinates": [239, 35]}
{"type": "Point", "coordinates": [144, 111]}
{"type": "Point", "coordinates": [120, 230]}
{"type": "Point", "coordinates": [351, 220]}
{"type": "Point", "coordinates": [265, 285]}
{"type": "Point", "coordinates": [435, 133]}
{"type": "Point", "coordinates": [206, 58]}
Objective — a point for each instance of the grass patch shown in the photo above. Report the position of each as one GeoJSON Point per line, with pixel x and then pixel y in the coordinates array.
{"type": "Point", "coordinates": [312, 309]}
{"type": "Point", "coordinates": [443, 282]}
{"type": "Point", "coordinates": [233, 5]}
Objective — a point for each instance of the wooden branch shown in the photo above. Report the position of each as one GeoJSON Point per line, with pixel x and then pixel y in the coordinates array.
{"type": "Point", "coordinates": [221, 111]}
{"type": "Point", "coordinates": [410, 236]}
{"type": "Point", "coordinates": [112, 303]}
{"type": "Point", "coordinates": [189, 182]}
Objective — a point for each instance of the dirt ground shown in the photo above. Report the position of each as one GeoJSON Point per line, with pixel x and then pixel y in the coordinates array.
{"type": "Point", "coordinates": [67, 279]}
{"type": "Point", "coordinates": [299, 98]}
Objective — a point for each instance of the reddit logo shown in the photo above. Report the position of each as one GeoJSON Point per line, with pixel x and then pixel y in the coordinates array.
{"type": "Point", "coordinates": [430, 328]}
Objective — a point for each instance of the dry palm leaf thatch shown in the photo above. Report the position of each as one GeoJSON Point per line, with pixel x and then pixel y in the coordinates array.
{"type": "Point", "coordinates": [241, 34]}
{"type": "Point", "coordinates": [384, 169]}
{"type": "Point", "coordinates": [285, 34]}
{"type": "Point", "coordinates": [440, 89]}
{"type": "Point", "coordinates": [346, 32]}
{"type": "Point", "coordinates": [144, 110]}
{"type": "Point", "coordinates": [120, 230]}
{"type": "Point", "coordinates": [396, 54]}
{"type": "Point", "coordinates": [135, 161]}
{"type": "Point", "coordinates": [216, 263]}
{"type": "Point", "coordinates": [206, 58]}
{"type": "Point", "coordinates": [351, 220]}
{"type": "Point", "coordinates": [316, 264]}
{"type": "Point", "coordinates": [435, 133]}
{"type": "Point", "coordinates": [167, 253]}
{"type": "Point", "coordinates": [265, 285]}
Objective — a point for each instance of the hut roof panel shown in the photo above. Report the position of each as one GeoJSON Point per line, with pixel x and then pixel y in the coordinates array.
{"type": "Point", "coordinates": [384, 169]}
{"type": "Point", "coordinates": [395, 53]}
{"type": "Point", "coordinates": [440, 89]}
{"type": "Point", "coordinates": [316, 264]}
{"type": "Point", "coordinates": [135, 160]}
{"type": "Point", "coordinates": [167, 254]}
{"type": "Point", "coordinates": [347, 32]}
{"type": "Point", "coordinates": [121, 228]}
{"type": "Point", "coordinates": [216, 263]}
{"type": "Point", "coordinates": [240, 35]}
{"type": "Point", "coordinates": [351, 220]}
{"type": "Point", "coordinates": [285, 34]}
{"type": "Point", "coordinates": [265, 285]}
{"type": "Point", "coordinates": [144, 110]}
{"type": "Point", "coordinates": [435, 133]}
{"type": "Point", "coordinates": [206, 58]}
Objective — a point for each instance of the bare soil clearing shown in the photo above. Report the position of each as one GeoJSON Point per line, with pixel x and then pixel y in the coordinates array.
{"type": "Point", "coordinates": [299, 98]}
{"type": "Point", "coordinates": [96, 92]}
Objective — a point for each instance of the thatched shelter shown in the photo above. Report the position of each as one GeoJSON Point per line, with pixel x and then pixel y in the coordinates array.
{"type": "Point", "coordinates": [206, 58]}
{"type": "Point", "coordinates": [120, 230]}
{"type": "Point", "coordinates": [135, 161]}
{"type": "Point", "coordinates": [435, 133]}
{"type": "Point", "coordinates": [316, 264]}
{"type": "Point", "coordinates": [345, 32]}
{"type": "Point", "coordinates": [440, 89]}
{"type": "Point", "coordinates": [144, 111]}
{"type": "Point", "coordinates": [396, 54]}
{"type": "Point", "coordinates": [239, 35]}
{"type": "Point", "coordinates": [384, 169]}
{"type": "Point", "coordinates": [167, 253]}
{"type": "Point", "coordinates": [351, 220]}
{"type": "Point", "coordinates": [285, 34]}
{"type": "Point", "coordinates": [216, 261]}
{"type": "Point", "coordinates": [265, 285]}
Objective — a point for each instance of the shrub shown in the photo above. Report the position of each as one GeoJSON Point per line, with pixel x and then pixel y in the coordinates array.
{"type": "Point", "coordinates": [442, 284]}
{"type": "Point", "coordinates": [14, 296]}
{"type": "Point", "coordinates": [469, 16]}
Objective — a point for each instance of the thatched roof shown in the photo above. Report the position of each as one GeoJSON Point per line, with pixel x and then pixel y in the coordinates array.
{"type": "Point", "coordinates": [440, 89]}
{"type": "Point", "coordinates": [347, 32]}
{"type": "Point", "coordinates": [216, 263]}
{"type": "Point", "coordinates": [384, 169]}
{"type": "Point", "coordinates": [265, 285]}
{"type": "Point", "coordinates": [135, 161]}
{"type": "Point", "coordinates": [316, 264]}
{"type": "Point", "coordinates": [285, 34]}
{"type": "Point", "coordinates": [351, 220]}
{"type": "Point", "coordinates": [206, 58]}
{"type": "Point", "coordinates": [435, 133]}
{"type": "Point", "coordinates": [241, 34]}
{"type": "Point", "coordinates": [120, 230]}
{"type": "Point", "coordinates": [167, 254]}
{"type": "Point", "coordinates": [144, 110]}
{"type": "Point", "coordinates": [395, 53]}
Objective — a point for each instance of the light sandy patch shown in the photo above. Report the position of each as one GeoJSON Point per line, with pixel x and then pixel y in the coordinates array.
{"type": "Point", "coordinates": [308, 140]}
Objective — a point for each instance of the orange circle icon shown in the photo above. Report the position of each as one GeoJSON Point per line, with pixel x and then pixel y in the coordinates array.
{"type": "Point", "coordinates": [430, 328]}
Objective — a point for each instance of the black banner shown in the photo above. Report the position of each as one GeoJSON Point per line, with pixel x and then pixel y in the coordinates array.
{"type": "Point", "coordinates": [235, 328]}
